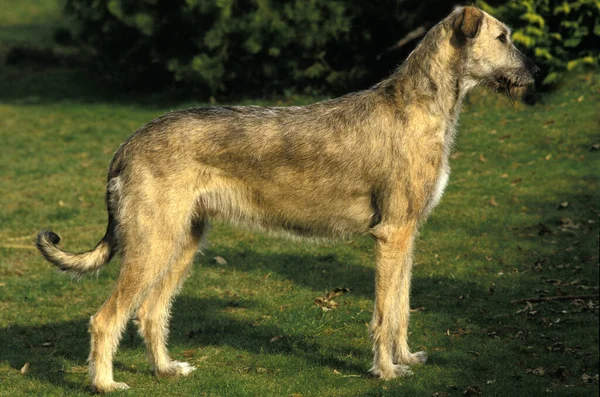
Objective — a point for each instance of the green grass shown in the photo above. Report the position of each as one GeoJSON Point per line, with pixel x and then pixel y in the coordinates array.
{"type": "Point", "coordinates": [251, 326]}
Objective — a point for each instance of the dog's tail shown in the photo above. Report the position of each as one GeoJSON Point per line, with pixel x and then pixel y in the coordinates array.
{"type": "Point", "coordinates": [77, 264]}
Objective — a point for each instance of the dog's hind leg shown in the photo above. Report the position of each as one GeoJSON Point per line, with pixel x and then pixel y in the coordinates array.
{"type": "Point", "coordinates": [149, 241]}
{"type": "Point", "coordinates": [392, 284]}
{"type": "Point", "coordinates": [153, 314]}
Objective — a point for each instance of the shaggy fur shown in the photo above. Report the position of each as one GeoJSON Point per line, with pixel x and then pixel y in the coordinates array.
{"type": "Point", "coordinates": [374, 162]}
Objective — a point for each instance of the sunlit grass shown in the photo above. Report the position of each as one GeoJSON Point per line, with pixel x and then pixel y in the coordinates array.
{"type": "Point", "coordinates": [519, 220]}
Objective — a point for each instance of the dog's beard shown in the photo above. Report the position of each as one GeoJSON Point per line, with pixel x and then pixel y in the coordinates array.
{"type": "Point", "coordinates": [513, 84]}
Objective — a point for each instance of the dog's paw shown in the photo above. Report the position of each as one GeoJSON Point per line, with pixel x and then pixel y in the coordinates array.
{"type": "Point", "coordinates": [390, 372]}
{"type": "Point", "coordinates": [413, 358]}
{"type": "Point", "coordinates": [419, 357]}
{"type": "Point", "coordinates": [176, 368]}
{"type": "Point", "coordinates": [110, 387]}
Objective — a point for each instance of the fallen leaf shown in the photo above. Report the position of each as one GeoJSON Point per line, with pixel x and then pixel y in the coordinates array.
{"type": "Point", "coordinates": [326, 302]}
{"type": "Point", "coordinates": [474, 390]}
{"type": "Point", "coordinates": [493, 201]}
{"type": "Point", "coordinates": [561, 373]}
{"type": "Point", "coordinates": [567, 223]}
{"type": "Point", "coordinates": [539, 371]}
{"type": "Point", "coordinates": [589, 379]}
{"type": "Point", "coordinates": [563, 205]}
{"type": "Point", "coordinates": [25, 368]}
{"type": "Point", "coordinates": [543, 229]}
{"type": "Point", "coordinates": [580, 99]}
{"type": "Point", "coordinates": [548, 156]}
{"type": "Point", "coordinates": [492, 132]}
{"type": "Point", "coordinates": [220, 260]}
{"type": "Point", "coordinates": [461, 332]}
{"type": "Point", "coordinates": [275, 339]}
{"type": "Point", "coordinates": [528, 308]}
{"type": "Point", "coordinates": [595, 147]}
{"type": "Point", "coordinates": [482, 158]}
{"type": "Point", "coordinates": [335, 371]}
{"type": "Point", "coordinates": [337, 292]}
{"type": "Point", "coordinates": [456, 155]}
{"type": "Point", "coordinates": [188, 353]}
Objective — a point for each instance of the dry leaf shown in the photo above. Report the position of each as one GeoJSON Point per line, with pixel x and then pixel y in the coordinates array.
{"type": "Point", "coordinates": [563, 205]}
{"type": "Point", "coordinates": [492, 132]}
{"type": "Point", "coordinates": [482, 158]}
{"type": "Point", "coordinates": [515, 181]}
{"type": "Point", "coordinates": [543, 229]}
{"type": "Point", "coordinates": [25, 368]}
{"type": "Point", "coordinates": [275, 339]}
{"type": "Point", "coordinates": [539, 371]}
{"type": "Point", "coordinates": [493, 201]}
{"type": "Point", "coordinates": [326, 302]}
{"type": "Point", "coordinates": [567, 223]}
{"type": "Point", "coordinates": [548, 156]}
{"type": "Point", "coordinates": [188, 353]}
{"type": "Point", "coordinates": [589, 379]}
{"type": "Point", "coordinates": [474, 390]}
{"type": "Point", "coordinates": [220, 260]}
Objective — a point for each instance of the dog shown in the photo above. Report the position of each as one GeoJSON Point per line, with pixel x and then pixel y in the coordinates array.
{"type": "Point", "coordinates": [373, 162]}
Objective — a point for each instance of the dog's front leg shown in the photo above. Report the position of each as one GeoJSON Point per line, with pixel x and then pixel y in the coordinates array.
{"type": "Point", "coordinates": [390, 317]}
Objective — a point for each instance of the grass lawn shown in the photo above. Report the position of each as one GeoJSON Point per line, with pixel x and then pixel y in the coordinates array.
{"type": "Point", "coordinates": [519, 220]}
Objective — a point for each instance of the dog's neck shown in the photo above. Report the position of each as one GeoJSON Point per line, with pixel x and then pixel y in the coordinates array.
{"type": "Point", "coordinates": [433, 73]}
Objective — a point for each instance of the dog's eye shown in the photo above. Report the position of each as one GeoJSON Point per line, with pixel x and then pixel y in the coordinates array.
{"type": "Point", "coordinates": [502, 38]}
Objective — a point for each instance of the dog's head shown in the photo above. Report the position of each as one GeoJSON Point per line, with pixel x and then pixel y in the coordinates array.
{"type": "Point", "coordinates": [489, 56]}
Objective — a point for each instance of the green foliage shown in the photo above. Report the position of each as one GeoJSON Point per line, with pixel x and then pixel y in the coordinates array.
{"type": "Point", "coordinates": [560, 35]}
{"type": "Point", "coordinates": [249, 46]}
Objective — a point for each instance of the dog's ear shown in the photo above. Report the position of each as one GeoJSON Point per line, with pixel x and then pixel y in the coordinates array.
{"type": "Point", "coordinates": [468, 21]}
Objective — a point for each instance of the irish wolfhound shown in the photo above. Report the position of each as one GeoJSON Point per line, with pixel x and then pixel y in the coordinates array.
{"type": "Point", "coordinates": [374, 161]}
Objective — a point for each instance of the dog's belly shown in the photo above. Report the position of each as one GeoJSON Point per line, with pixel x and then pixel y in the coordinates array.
{"type": "Point", "coordinates": [290, 202]}
{"type": "Point", "coordinates": [320, 211]}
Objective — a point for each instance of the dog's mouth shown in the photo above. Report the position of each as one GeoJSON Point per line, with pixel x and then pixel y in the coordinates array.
{"type": "Point", "coordinates": [514, 85]}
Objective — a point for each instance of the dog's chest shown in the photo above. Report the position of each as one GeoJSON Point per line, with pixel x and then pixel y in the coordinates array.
{"type": "Point", "coordinates": [443, 172]}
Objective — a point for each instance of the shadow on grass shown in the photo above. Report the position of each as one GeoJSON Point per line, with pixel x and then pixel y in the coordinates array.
{"type": "Point", "coordinates": [321, 272]}
{"type": "Point", "coordinates": [200, 322]}
{"type": "Point", "coordinates": [196, 323]}
{"type": "Point", "coordinates": [34, 85]}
